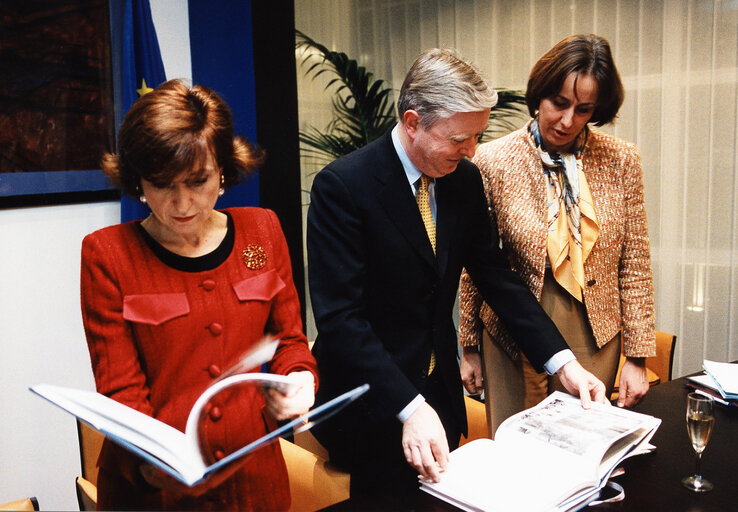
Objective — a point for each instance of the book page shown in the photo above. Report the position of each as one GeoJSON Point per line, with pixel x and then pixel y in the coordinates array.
{"type": "Point", "coordinates": [163, 445]}
{"type": "Point", "coordinates": [284, 383]}
{"type": "Point", "coordinates": [725, 376]}
{"type": "Point", "coordinates": [514, 472]}
{"type": "Point", "coordinates": [492, 476]}
{"type": "Point", "coordinates": [592, 435]}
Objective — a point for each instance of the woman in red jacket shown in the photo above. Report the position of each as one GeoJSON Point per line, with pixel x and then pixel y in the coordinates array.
{"type": "Point", "coordinates": [172, 301]}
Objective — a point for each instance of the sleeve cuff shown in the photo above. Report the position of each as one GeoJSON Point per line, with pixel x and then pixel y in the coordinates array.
{"type": "Point", "coordinates": [558, 360]}
{"type": "Point", "coordinates": [410, 408]}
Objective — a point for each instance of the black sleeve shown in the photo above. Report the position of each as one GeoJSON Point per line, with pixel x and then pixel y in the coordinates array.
{"type": "Point", "coordinates": [348, 351]}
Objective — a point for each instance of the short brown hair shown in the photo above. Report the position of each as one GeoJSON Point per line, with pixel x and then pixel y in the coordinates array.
{"type": "Point", "coordinates": [581, 54]}
{"type": "Point", "coordinates": [173, 129]}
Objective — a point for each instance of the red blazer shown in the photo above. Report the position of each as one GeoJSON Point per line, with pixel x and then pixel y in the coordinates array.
{"type": "Point", "coordinates": [158, 336]}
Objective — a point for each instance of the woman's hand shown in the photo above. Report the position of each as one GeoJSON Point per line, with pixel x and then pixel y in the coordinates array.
{"type": "Point", "coordinates": [633, 384]}
{"type": "Point", "coordinates": [287, 406]}
{"type": "Point", "coordinates": [471, 370]}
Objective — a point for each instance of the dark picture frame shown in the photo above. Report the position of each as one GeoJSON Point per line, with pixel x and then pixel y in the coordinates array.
{"type": "Point", "coordinates": [56, 101]}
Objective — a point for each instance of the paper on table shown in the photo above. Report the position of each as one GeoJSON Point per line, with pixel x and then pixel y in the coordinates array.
{"type": "Point", "coordinates": [725, 376]}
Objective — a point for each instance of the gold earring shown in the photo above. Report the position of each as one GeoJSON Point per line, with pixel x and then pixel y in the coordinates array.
{"type": "Point", "coordinates": [221, 190]}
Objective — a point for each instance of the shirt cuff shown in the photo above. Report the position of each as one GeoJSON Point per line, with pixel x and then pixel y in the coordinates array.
{"type": "Point", "coordinates": [558, 360]}
{"type": "Point", "coordinates": [410, 408]}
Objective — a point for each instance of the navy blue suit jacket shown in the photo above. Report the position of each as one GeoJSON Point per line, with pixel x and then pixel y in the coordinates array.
{"type": "Point", "coordinates": [382, 300]}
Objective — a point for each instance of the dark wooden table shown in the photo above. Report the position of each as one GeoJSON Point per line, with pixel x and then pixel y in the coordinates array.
{"type": "Point", "coordinates": [652, 482]}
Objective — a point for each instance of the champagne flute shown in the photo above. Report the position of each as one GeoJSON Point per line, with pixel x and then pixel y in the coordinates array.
{"type": "Point", "coordinates": [700, 421]}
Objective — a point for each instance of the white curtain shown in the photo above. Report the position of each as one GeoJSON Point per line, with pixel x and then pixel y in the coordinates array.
{"type": "Point", "coordinates": [679, 62]}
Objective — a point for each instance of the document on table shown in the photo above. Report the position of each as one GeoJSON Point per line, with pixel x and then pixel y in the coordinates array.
{"type": "Point", "coordinates": [725, 376]}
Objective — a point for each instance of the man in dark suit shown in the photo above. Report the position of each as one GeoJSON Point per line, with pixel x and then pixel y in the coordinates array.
{"type": "Point", "coordinates": [383, 282]}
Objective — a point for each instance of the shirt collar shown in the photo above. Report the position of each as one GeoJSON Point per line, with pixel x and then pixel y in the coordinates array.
{"type": "Point", "coordinates": [412, 173]}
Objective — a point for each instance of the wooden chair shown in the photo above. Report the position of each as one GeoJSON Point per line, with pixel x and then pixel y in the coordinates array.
{"type": "Point", "coordinates": [663, 363]}
{"type": "Point", "coordinates": [476, 419]}
{"type": "Point", "coordinates": [86, 494]}
{"type": "Point", "coordinates": [90, 444]}
{"type": "Point", "coordinates": [314, 483]}
{"type": "Point", "coordinates": [659, 368]}
{"type": "Point", "coordinates": [22, 504]}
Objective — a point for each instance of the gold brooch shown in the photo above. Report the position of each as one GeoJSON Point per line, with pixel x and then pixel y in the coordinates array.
{"type": "Point", "coordinates": [254, 256]}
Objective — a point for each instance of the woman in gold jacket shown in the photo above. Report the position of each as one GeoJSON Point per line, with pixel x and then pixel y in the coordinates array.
{"type": "Point", "coordinates": [568, 202]}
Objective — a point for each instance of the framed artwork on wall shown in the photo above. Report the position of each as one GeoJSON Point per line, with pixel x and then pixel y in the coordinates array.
{"type": "Point", "coordinates": [56, 101]}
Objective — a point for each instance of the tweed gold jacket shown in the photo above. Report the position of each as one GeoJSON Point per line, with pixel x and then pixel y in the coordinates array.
{"type": "Point", "coordinates": [618, 291]}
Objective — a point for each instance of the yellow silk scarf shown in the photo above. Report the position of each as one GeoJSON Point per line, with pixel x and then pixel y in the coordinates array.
{"type": "Point", "coordinates": [572, 220]}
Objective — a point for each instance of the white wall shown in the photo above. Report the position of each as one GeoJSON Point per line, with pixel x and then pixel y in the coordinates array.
{"type": "Point", "coordinates": [41, 335]}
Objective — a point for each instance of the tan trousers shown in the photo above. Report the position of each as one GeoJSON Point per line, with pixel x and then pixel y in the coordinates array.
{"type": "Point", "coordinates": [511, 386]}
{"type": "Point", "coordinates": [570, 317]}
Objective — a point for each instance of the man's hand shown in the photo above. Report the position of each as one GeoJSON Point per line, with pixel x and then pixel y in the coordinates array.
{"type": "Point", "coordinates": [424, 442]}
{"type": "Point", "coordinates": [471, 370]}
{"type": "Point", "coordinates": [284, 407]}
{"type": "Point", "coordinates": [633, 383]}
{"type": "Point", "coordinates": [582, 383]}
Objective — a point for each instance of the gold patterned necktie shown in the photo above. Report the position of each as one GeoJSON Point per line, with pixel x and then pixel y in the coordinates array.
{"type": "Point", "coordinates": [425, 212]}
{"type": "Point", "coordinates": [430, 227]}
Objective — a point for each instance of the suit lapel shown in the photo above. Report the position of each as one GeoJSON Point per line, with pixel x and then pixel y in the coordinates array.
{"type": "Point", "coordinates": [396, 198]}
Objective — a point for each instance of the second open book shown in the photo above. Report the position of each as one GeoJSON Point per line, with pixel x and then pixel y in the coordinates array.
{"type": "Point", "coordinates": [554, 456]}
{"type": "Point", "coordinates": [178, 453]}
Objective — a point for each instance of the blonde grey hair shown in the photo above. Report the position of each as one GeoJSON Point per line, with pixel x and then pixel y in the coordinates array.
{"type": "Point", "coordinates": [441, 83]}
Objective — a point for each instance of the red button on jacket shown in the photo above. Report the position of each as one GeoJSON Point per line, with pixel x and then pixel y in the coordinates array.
{"type": "Point", "coordinates": [214, 370]}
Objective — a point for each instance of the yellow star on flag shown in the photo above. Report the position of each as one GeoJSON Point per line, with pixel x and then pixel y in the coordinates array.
{"type": "Point", "coordinates": [144, 89]}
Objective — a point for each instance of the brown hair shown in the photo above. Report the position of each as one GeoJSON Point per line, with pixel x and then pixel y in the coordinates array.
{"type": "Point", "coordinates": [173, 129]}
{"type": "Point", "coordinates": [580, 54]}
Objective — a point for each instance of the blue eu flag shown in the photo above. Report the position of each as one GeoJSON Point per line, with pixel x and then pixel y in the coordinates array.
{"type": "Point", "coordinates": [142, 71]}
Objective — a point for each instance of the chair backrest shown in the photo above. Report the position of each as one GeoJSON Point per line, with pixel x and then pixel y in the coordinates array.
{"type": "Point", "coordinates": [476, 419]}
{"type": "Point", "coordinates": [314, 483]}
{"type": "Point", "coordinates": [307, 441]}
{"type": "Point", "coordinates": [662, 364]}
{"type": "Point", "coordinates": [22, 504]}
{"type": "Point", "coordinates": [86, 494]}
{"type": "Point", "coordinates": [658, 367]}
{"type": "Point", "coordinates": [90, 444]}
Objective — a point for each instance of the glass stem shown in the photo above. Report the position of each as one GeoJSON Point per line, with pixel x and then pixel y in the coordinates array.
{"type": "Point", "coordinates": [699, 472]}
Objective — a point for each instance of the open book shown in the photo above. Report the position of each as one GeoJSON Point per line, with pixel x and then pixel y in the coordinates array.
{"type": "Point", "coordinates": [554, 456]}
{"type": "Point", "coordinates": [171, 450]}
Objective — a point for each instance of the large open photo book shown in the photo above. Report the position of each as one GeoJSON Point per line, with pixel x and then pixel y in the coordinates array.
{"type": "Point", "coordinates": [554, 456]}
{"type": "Point", "coordinates": [178, 453]}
